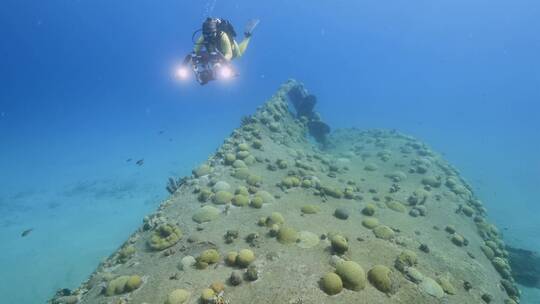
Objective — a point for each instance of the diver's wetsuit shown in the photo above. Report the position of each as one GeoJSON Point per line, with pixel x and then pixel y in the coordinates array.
{"type": "Point", "coordinates": [227, 46]}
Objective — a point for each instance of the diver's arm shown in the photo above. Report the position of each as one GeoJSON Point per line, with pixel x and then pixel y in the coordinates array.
{"type": "Point", "coordinates": [243, 46]}
{"type": "Point", "coordinates": [248, 32]}
{"type": "Point", "coordinates": [226, 48]}
{"type": "Point", "coordinates": [198, 45]}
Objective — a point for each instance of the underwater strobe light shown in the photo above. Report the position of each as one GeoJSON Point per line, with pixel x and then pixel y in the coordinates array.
{"type": "Point", "coordinates": [225, 72]}
{"type": "Point", "coordinates": [182, 73]}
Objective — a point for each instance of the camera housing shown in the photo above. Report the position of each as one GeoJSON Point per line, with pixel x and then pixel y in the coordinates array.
{"type": "Point", "coordinates": [211, 66]}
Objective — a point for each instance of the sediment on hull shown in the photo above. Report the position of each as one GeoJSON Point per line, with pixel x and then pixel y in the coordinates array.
{"type": "Point", "coordinates": [287, 212]}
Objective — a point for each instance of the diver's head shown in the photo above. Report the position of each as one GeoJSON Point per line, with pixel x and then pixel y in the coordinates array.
{"type": "Point", "coordinates": [210, 28]}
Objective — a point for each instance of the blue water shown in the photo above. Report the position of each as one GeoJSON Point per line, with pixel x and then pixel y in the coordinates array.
{"type": "Point", "coordinates": [86, 85]}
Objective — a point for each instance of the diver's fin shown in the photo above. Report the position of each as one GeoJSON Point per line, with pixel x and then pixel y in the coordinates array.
{"type": "Point", "coordinates": [250, 26]}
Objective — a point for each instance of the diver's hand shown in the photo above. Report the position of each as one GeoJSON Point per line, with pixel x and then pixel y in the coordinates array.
{"type": "Point", "coordinates": [188, 58]}
{"type": "Point", "coordinates": [250, 26]}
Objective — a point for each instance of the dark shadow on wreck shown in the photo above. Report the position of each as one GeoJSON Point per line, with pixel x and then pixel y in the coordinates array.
{"type": "Point", "coordinates": [304, 105]}
{"type": "Point", "coordinates": [525, 266]}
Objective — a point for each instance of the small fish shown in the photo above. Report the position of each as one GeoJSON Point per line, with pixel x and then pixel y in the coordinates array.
{"type": "Point", "coordinates": [128, 160]}
{"type": "Point", "coordinates": [161, 132]}
{"type": "Point", "coordinates": [26, 232]}
{"type": "Point", "coordinates": [140, 162]}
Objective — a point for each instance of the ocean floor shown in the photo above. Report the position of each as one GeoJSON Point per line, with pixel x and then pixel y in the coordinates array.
{"type": "Point", "coordinates": [377, 217]}
{"type": "Point", "coordinates": [80, 209]}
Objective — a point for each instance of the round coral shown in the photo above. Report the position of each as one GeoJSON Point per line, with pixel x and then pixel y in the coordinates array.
{"type": "Point", "coordinates": [245, 257]}
{"type": "Point", "coordinates": [331, 283]}
{"type": "Point", "coordinates": [352, 275]}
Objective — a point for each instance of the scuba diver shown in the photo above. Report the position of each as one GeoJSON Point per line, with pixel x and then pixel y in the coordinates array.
{"type": "Point", "coordinates": [215, 49]}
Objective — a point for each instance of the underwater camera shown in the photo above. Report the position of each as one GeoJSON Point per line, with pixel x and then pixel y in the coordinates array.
{"type": "Point", "coordinates": [207, 67]}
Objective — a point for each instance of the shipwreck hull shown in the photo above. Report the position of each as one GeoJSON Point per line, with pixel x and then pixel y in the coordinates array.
{"type": "Point", "coordinates": [374, 197]}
